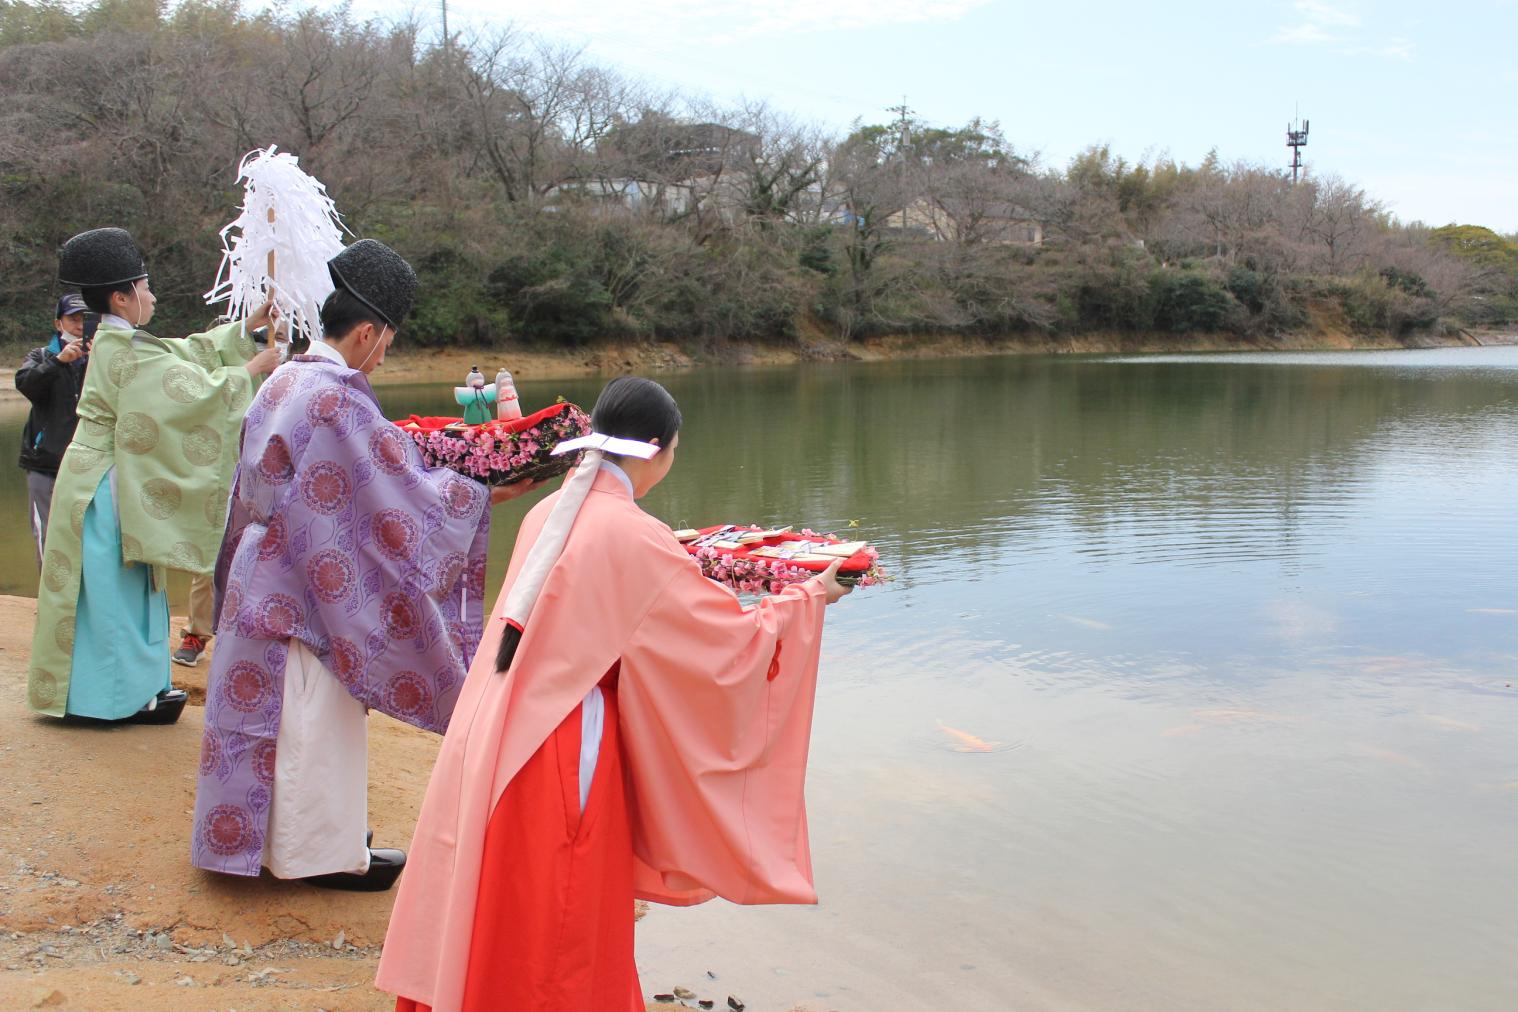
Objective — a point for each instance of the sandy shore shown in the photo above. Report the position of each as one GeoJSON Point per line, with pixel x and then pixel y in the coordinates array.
{"type": "Point", "coordinates": [99, 906]}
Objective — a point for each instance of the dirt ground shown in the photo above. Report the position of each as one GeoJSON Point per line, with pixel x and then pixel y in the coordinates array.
{"type": "Point", "coordinates": [99, 906]}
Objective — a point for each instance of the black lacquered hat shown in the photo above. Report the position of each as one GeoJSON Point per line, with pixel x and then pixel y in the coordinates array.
{"type": "Point", "coordinates": [378, 277]}
{"type": "Point", "coordinates": [101, 256]}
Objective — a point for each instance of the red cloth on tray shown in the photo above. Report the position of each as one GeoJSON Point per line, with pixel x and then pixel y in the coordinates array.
{"type": "Point", "coordinates": [432, 423]}
{"type": "Point", "coordinates": [859, 562]}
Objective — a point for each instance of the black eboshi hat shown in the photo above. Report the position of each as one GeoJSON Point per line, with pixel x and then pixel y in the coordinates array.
{"type": "Point", "coordinates": [377, 276]}
{"type": "Point", "coordinates": [101, 256]}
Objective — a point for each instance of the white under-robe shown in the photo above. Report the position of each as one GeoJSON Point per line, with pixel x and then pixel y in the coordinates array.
{"type": "Point", "coordinates": [593, 708]}
{"type": "Point", "coordinates": [320, 810]}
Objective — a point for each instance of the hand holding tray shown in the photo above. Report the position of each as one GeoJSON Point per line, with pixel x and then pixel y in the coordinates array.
{"type": "Point", "coordinates": [759, 560]}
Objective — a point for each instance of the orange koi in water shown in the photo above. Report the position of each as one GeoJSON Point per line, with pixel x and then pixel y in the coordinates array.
{"type": "Point", "coordinates": [967, 742]}
{"type": "Point", "coordinates": [1450, 723]}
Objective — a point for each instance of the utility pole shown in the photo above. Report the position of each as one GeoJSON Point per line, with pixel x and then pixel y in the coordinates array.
{"type": "Point", "coordinates": [1296, 139]}
{"type": "Point", "coordinates": [903, 121]}
{"type": "Point", "coordinates": [447, 39]}
{"type": "Point", "coordinates": [903, 138]}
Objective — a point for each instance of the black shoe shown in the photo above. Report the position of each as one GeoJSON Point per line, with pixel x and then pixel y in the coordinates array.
{"type": "Point", "coordinates": [384, 868]}
{"type": "Point", "coordinates": [164, 708]}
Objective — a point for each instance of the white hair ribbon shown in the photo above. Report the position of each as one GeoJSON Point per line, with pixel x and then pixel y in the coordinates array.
{"type": "Point", "coordinates": [608, 444]}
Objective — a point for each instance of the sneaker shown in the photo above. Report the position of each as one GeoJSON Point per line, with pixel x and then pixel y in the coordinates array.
{"type": "Point", "coordinates": [190, 649]}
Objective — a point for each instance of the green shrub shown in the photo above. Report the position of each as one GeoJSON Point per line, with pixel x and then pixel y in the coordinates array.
{"type": "Point", "coordinates": [1184, 301]}
{"type": "Point", "coordinates": [1273, 306]}
{"type": "Point", "coordinates": [452, 304]}
{"type": "Point", "coordinates": [1111, 294]}
{"type": "Point", "coordinates": [816, 252]}
{"type": "Point", "coordinates": [1406, 281]}
{"type": "Point", "coordinates": [1373, 306]}
{"type": "Point", "coordinates": [1251, 288]}
{"type": "Point", "coordinates": [551, 297]}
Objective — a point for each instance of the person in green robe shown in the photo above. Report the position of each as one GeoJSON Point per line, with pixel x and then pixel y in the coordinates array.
{"type": "Point", "coordinates": [143, 487]}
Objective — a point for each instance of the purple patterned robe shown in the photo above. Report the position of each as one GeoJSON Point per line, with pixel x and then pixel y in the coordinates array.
{"type": "Point", "coordinates": [338, 536]}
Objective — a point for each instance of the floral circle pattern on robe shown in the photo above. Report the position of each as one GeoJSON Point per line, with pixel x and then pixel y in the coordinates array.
{"type": "Point", "coordinates": [342, 538]}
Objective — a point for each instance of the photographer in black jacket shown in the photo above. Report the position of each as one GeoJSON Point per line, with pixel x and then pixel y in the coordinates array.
{"type": "Point", "coordinates": [51, 378]}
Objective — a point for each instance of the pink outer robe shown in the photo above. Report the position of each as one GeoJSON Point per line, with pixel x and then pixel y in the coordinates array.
{"type": "Point", "coordinates": [716, 712]}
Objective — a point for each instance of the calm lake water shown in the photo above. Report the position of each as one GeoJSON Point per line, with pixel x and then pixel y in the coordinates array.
{"type": "Point", "coordinates": [1238, 632]}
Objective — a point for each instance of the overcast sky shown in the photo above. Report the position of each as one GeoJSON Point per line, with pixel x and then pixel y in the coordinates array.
{"type": "Point", "coordinates": [1414, 101]}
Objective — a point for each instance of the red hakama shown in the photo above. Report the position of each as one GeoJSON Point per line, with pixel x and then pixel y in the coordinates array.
{"type": "Point", "coordinates": [510, 900]}
{"type": "Point", "coordinates": [553, 928]}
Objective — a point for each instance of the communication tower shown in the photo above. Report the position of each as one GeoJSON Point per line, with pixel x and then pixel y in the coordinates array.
{"type": "Point", "coordinates": [1296, 139]}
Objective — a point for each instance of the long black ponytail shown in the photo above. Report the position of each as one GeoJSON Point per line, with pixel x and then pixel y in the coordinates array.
{"type": "Point", "coordinates": [511, 638]}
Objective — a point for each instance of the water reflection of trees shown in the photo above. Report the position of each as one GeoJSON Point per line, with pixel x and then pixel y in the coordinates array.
{"type": "Point", "coordinates": [982, 455]}
{"type": "Point", "coordinates": [968, 455]}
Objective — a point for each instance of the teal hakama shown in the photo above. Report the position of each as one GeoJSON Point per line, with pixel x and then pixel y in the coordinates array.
{"type": "Point", "coordinates": [159, 419]}
{"type": "Point", "coordinates": [122, 626]}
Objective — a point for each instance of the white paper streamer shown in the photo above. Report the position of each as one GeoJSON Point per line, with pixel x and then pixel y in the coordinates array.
{"type": "Point", "coordinates": [555, 531]}
{"type": "Point", "coordinates": [306, 232]}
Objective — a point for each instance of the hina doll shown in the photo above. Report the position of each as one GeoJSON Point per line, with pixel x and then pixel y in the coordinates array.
{"type": "Point", "coordinates": [351, 578]}
{"type": "Point", "coordinates": [628, 729]}
{"type": "Point", "coordinates": [142, 488]}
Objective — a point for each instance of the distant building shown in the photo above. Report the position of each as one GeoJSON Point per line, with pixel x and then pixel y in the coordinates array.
{"type": "Point", "coordinates": [659, 165]}
{"type": "Point", "coordinates": [955, 220]}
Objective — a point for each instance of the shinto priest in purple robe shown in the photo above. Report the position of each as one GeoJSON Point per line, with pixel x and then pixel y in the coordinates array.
{"type": "Point", "coordinates": [344, 556]}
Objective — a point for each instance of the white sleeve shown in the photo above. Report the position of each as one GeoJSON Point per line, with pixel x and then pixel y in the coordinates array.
{"type": "Point", "coordinates": [592, 725]}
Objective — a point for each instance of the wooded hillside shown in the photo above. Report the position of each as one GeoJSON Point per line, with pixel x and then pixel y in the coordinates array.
{"type": "Point", "coordinates": [546, 199]}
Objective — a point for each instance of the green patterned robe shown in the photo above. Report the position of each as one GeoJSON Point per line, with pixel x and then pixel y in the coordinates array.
{"type": "Point", "coordinates": [166, 414]}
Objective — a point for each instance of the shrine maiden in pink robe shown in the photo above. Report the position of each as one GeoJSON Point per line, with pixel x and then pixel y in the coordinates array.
{"type": "Point", "coordinates": [715, 703]}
